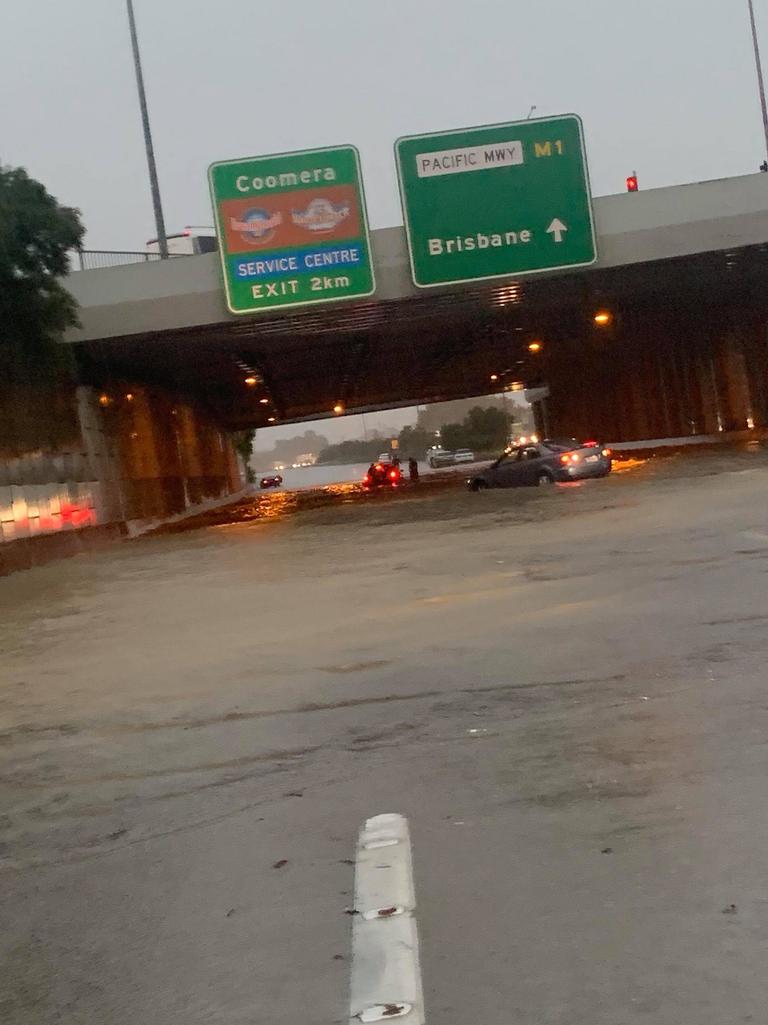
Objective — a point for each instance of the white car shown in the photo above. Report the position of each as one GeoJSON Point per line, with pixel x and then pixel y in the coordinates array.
{"type": "Point", "coordinates": [384, 457]}
{"type": "Point", "coordinates": [463, 455]}
{"type": "Point", "coordinates": [439, 457]}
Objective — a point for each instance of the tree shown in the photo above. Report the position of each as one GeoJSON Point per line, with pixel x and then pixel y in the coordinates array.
{"type": "Point", "coordinates": [242, 442]}
{"type": "Point", "coordinates": [453, 436]}
{"type": "Point", "coordinates": [414, 441]}
{"type": "Point", "coordinates": [36, 382]}
{"type": "Point", "coordinates": [488, 428]}
{"type": "Point", "coordinates": [36, 235]}
{"type": "Point", "coordinates": [484, 429]}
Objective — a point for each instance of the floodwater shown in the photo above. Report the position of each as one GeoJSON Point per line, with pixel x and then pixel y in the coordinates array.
{"type": "Point", "coordinates": [305, 477]}
{"type": "Point", "coordinates": [315, 476]}
{"type": "Point", "coordinates": [563, 689]}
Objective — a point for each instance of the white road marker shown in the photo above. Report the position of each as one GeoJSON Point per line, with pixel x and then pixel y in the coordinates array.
{"type": "Point", "coordinates": [386, 973]}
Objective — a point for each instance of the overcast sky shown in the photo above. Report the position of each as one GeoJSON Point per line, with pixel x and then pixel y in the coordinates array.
{"type": "Point", "coordinates": [665, 87]}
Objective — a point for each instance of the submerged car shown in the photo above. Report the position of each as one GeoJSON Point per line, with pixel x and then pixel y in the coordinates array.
{"type": "Point", "coordinates": [271, 480]}
{"type": "Point", "coordinates": [548, 462]}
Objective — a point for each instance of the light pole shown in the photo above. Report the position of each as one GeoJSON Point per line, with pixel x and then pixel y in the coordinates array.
{"type": "Point", "coordinates": [162, 241]}
{"type": "Point", "coordinates": [759, 69]}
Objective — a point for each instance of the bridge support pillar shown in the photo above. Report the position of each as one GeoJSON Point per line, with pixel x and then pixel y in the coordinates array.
{"type": "Point", "coordinates": [754, 339]}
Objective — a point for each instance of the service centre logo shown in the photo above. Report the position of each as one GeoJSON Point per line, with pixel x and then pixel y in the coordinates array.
{"type": "Point", "coordinates": [321, 215]}
{"type": "Point", "coordinates": [256, 225]}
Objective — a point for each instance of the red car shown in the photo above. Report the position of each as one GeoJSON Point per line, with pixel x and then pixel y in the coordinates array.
{"type": "Point", "coordinates": [272, 480]}
{"type": "Point", "coordinates": [382, 475]}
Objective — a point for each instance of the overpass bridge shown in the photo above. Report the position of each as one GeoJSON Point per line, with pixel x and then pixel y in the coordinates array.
{"type": "Point", "coordinates": [680, 277]}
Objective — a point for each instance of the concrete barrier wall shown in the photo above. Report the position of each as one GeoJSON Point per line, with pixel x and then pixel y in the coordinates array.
{"type": "Point", "coordinates": [141, 456]}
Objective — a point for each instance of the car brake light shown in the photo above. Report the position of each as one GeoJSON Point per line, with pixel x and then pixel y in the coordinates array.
{"type": "Point", "coordinates": [393, 474]}
{"type": "Point", "coordinates": [589, 444]}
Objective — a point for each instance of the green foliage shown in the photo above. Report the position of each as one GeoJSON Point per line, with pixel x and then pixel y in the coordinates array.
{"type": "Point", "coordinates": [453, 436]}
{"type": "Point", "coordinates": [36, 234]}
{"type": "Point", "coordinates": [484, 430]}
{"type": "Point", "coordinates": [242, 442]}
{"type": "Point", "coordinates": [414, 441]}
{"type": "Point", "coordinates": [488, 428]}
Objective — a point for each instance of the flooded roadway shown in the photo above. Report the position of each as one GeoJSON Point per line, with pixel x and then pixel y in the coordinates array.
{"type": "Point", "coordinates": [563, 689]}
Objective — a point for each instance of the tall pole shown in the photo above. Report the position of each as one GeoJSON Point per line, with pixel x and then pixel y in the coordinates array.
{"type": "Point", "coordinates": [162, 241]}
{"type": "Point", "coordinates": [759, 68]}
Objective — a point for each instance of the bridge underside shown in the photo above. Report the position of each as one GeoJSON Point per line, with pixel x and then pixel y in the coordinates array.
{"type": "Point", "coordinates": [685, 351]}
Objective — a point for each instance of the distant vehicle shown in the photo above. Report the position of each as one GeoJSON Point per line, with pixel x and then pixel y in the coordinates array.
{"type": "Point", "coordinates": [547, 462]}
{"type": "Point", "coordinates": [463, 455]}
{"type": "Point", "coordinates": [437, 456]}
{"type": "Point", "coordinates": [271, 480]}
{"type": "Point", "coordinates": [382, 475]}
{"type": "Point", "coordinates": [185, 243]}
{"type": "Point", "coordinates": [385, 457]}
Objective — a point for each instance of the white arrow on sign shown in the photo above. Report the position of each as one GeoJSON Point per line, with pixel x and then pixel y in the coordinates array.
{"type": "Point", "coordinates": [556, 229]}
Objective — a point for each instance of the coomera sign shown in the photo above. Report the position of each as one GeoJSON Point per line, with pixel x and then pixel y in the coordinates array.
{"type": "Point", "coordinates": [292, 229]}
{"type": "Point", "coordinates": [496, 201]}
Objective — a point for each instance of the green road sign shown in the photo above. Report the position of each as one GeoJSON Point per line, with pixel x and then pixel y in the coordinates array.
{"type": "Point", "coordinates": [292, 229]}
{"type": "Point", "coordinates": [496, 201]}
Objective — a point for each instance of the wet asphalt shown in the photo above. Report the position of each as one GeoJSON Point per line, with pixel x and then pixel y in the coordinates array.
{"type": "Point", "coordinates": [562, 688]}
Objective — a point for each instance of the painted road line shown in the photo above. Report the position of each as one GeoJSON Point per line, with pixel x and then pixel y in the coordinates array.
{"type": "Point", "coordinates": [386, 974]}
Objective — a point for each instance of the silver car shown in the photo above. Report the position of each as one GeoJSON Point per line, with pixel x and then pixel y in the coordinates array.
{"type": "Point", "coordinates": [439, 457]}
{"type": "Point", "coordinates": [463, 455]}
{"type": "Point", "coordinates": [546, 462]}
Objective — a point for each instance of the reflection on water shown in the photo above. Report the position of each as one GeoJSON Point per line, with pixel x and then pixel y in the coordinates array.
{"type": "Point", "coordinates": [273, 505]}
{"type": "Point", "coordinates": [304, 477]}
{"type": "Point", "coordinates": [624, 465]}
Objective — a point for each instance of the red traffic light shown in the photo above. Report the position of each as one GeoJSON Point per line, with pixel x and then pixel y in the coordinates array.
{"type": "Point", "coordinates": [632, 183]}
